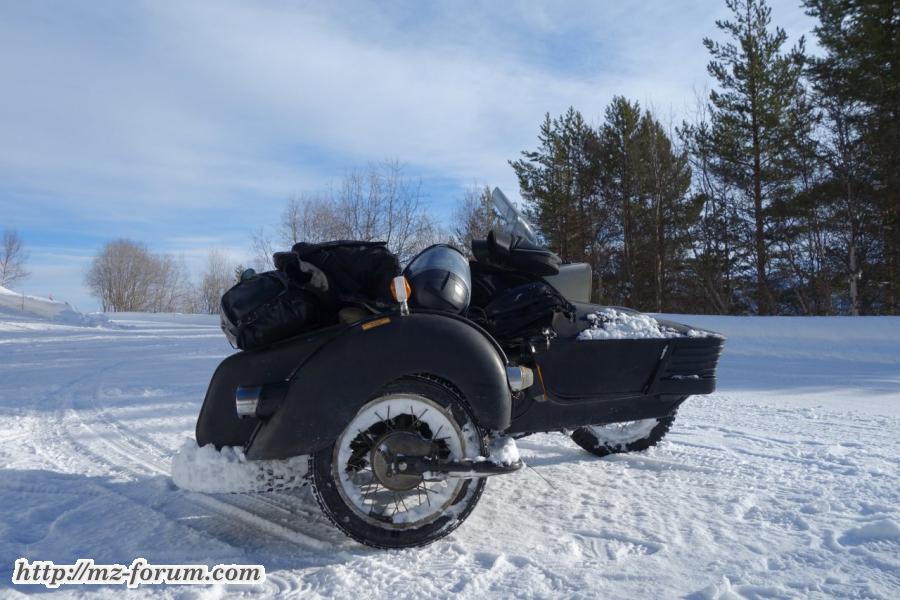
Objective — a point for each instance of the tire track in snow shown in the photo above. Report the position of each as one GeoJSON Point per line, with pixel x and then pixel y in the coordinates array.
{"type": "Point", "coordinates": [79, 450]}
{"type": "Point", "coordinates": [284, 509]}
{"type": "Point", "coordinates": [238, 527]}
{"type": "Point", "coordinates": [231, 523]}
{"type": "Point", "coordinates": [63, 450]}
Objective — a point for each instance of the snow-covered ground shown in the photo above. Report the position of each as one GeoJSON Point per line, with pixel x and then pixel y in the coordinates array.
{"type": "Point", "coordinates": [784, 484]}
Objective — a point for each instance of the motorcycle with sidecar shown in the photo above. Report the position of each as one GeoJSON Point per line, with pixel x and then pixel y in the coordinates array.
{"type": "Point", "coordinates": [405, 406]}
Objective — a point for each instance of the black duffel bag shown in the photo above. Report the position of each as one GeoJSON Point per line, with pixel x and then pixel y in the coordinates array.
{"type": "Point", "coordinates": [357, 272]}
{"type": "Point", "coordinates": [266, 308]}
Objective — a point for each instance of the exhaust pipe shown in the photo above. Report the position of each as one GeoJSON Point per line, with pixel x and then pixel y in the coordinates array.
{"type": "Point", "coordinates": [259, 401]}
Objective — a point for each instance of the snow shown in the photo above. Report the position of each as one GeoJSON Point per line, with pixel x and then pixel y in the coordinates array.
{"type": "Point", "coordinates": [205, 469]}
{"type": "Point", "coordinates": [885, 529]}
{"type": "Point", "coordinates": [613, 324]}
{"type": "Point", "coordinates": [617, 435]}
{"type": "Point", "coordinates": [504, 451]}
{"type": "Point", "coordinates": [782, 484]}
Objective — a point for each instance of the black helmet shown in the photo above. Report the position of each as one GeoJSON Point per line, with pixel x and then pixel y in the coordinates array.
{"type": "Point", "coordinates": [440, 279]}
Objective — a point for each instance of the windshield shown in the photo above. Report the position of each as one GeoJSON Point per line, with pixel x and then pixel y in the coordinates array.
{"type": "Point", "coordinates": [513, 221]}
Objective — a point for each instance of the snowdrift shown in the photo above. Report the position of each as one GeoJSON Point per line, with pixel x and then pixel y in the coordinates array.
{"type": "Point", "coordinates": [13, 304]}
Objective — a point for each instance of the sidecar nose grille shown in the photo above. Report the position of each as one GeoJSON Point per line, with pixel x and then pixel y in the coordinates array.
{"type": "Point", "coordinates": [698, 360]}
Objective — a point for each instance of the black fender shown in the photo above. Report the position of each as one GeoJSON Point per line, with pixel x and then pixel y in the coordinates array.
{"type": "Point", "coordinates": [218, 422]}
{"type": "Point", "coordinates": [340, 376]}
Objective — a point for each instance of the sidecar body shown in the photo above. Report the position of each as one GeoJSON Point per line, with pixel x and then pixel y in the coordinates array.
{"type": "Point", "coordinates": [601, 381]}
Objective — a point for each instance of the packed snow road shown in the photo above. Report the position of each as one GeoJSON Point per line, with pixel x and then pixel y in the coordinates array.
{"type": "Point", "coordinates": [784, 484]}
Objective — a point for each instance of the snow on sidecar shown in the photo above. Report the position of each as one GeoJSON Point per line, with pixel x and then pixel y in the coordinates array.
{"type": "Point", "coordinates": [406, 403]}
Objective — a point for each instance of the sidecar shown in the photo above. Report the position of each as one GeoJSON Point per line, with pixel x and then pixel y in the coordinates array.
{"type": "Point", "coordinates": [405, 408]}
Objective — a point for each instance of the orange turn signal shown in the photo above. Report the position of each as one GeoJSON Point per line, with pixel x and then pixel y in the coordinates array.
{"type": "Point", "coordinates": [400, 289]}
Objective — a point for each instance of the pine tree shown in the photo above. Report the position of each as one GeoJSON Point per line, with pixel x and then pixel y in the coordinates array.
{"type": "Point", "coordinates": [619, 180]}
{"type": "Point", "coordinates": [712, 260]}
{"type": "Point", "coordinates": [845, 188]}
{"type": "Point", "coordinates": [859, 82]}
{"type": "Point", "coordinates": [751, 132]}
{"type": "Point", "coordinates": [558, 183]}
{"type": "Point", "coordinates": [615, 198]}
{"type": "Point", "coordinates": [664, 179]}
{"type": "Point", "coordinates": [798, 217]}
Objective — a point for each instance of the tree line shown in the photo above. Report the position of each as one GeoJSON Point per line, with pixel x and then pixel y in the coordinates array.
{"type": "Point", "coordinates": [779, 197]}
{"type": "Point", "coordinates": [126, 276]}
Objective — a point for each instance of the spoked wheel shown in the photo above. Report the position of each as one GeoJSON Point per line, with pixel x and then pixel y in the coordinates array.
{"type": "Point", "coordinates": [374, 503]}
{"type": "Point", "coordinates": [630, 436]}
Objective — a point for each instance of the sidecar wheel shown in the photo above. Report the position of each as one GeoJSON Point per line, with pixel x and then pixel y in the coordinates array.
{"type": "Point", "coordinates": [384, 509]}
{"type": "Point", "coordinates": [615, 438]}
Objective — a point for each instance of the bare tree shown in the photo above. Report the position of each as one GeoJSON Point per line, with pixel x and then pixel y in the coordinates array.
{"type": "Point", "coordinates": [121, 276]}
{"type": "Point", "coordinates": [377, 203]}
{"type": "Point", "coordinates": [126, 276]}
{"type": "Point", "coordinates": [381, 204]}
{"type": "Point", "coordinates": [473, 218]}
{"type": "Point", "coordinates": [217, 278]}
{"type": "Point", "coordinates": [170, 289]}
{"type": "Point", "coordinates": [306, 218]}
{"type": "Point", "coordinates": [12, 258]}
{"type": "Point", "coordinates": [312, 218]}
{"type": "Point", "coordinates": [262, 246]}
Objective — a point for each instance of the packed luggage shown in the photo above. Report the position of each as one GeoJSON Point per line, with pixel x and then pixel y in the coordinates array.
{"type": "Point", "coordinates": [317, 285]}
{"type": "Point", "coordinates": [307, 290]}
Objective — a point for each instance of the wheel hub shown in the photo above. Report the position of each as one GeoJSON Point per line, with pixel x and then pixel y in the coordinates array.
{"type": "Point", "coordinates": [392, 444]}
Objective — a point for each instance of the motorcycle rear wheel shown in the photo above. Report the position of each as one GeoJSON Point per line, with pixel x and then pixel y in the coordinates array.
{"type": "Point", "coordinates": [616, 438]}
{"type": "Point", "coordinates": [382, 510]}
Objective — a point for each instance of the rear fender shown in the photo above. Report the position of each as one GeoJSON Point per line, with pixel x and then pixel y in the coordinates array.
{"type": "Point", "coordinates": [328, 389]}
{"type": "Point", "coordinates": [218, 422]}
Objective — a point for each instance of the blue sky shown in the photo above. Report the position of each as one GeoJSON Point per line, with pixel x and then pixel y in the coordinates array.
{"type": "Point", "coordinates": [186, 125]}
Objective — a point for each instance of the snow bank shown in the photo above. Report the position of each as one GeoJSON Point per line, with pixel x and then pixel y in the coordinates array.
{"type": "Point", "coordinates": [205, 469]}
{"type": "Point", "coordinates": [612, 324]}
{"type": "Point", "coordinates": [34, 306]}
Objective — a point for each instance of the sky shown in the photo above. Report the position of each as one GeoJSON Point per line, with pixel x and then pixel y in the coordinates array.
{"type": "Point", "coordinates": [188, 125]}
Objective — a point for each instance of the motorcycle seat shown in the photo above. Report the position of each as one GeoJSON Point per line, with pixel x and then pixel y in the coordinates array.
{"type": "Point", "coordinates": [515, 253]}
